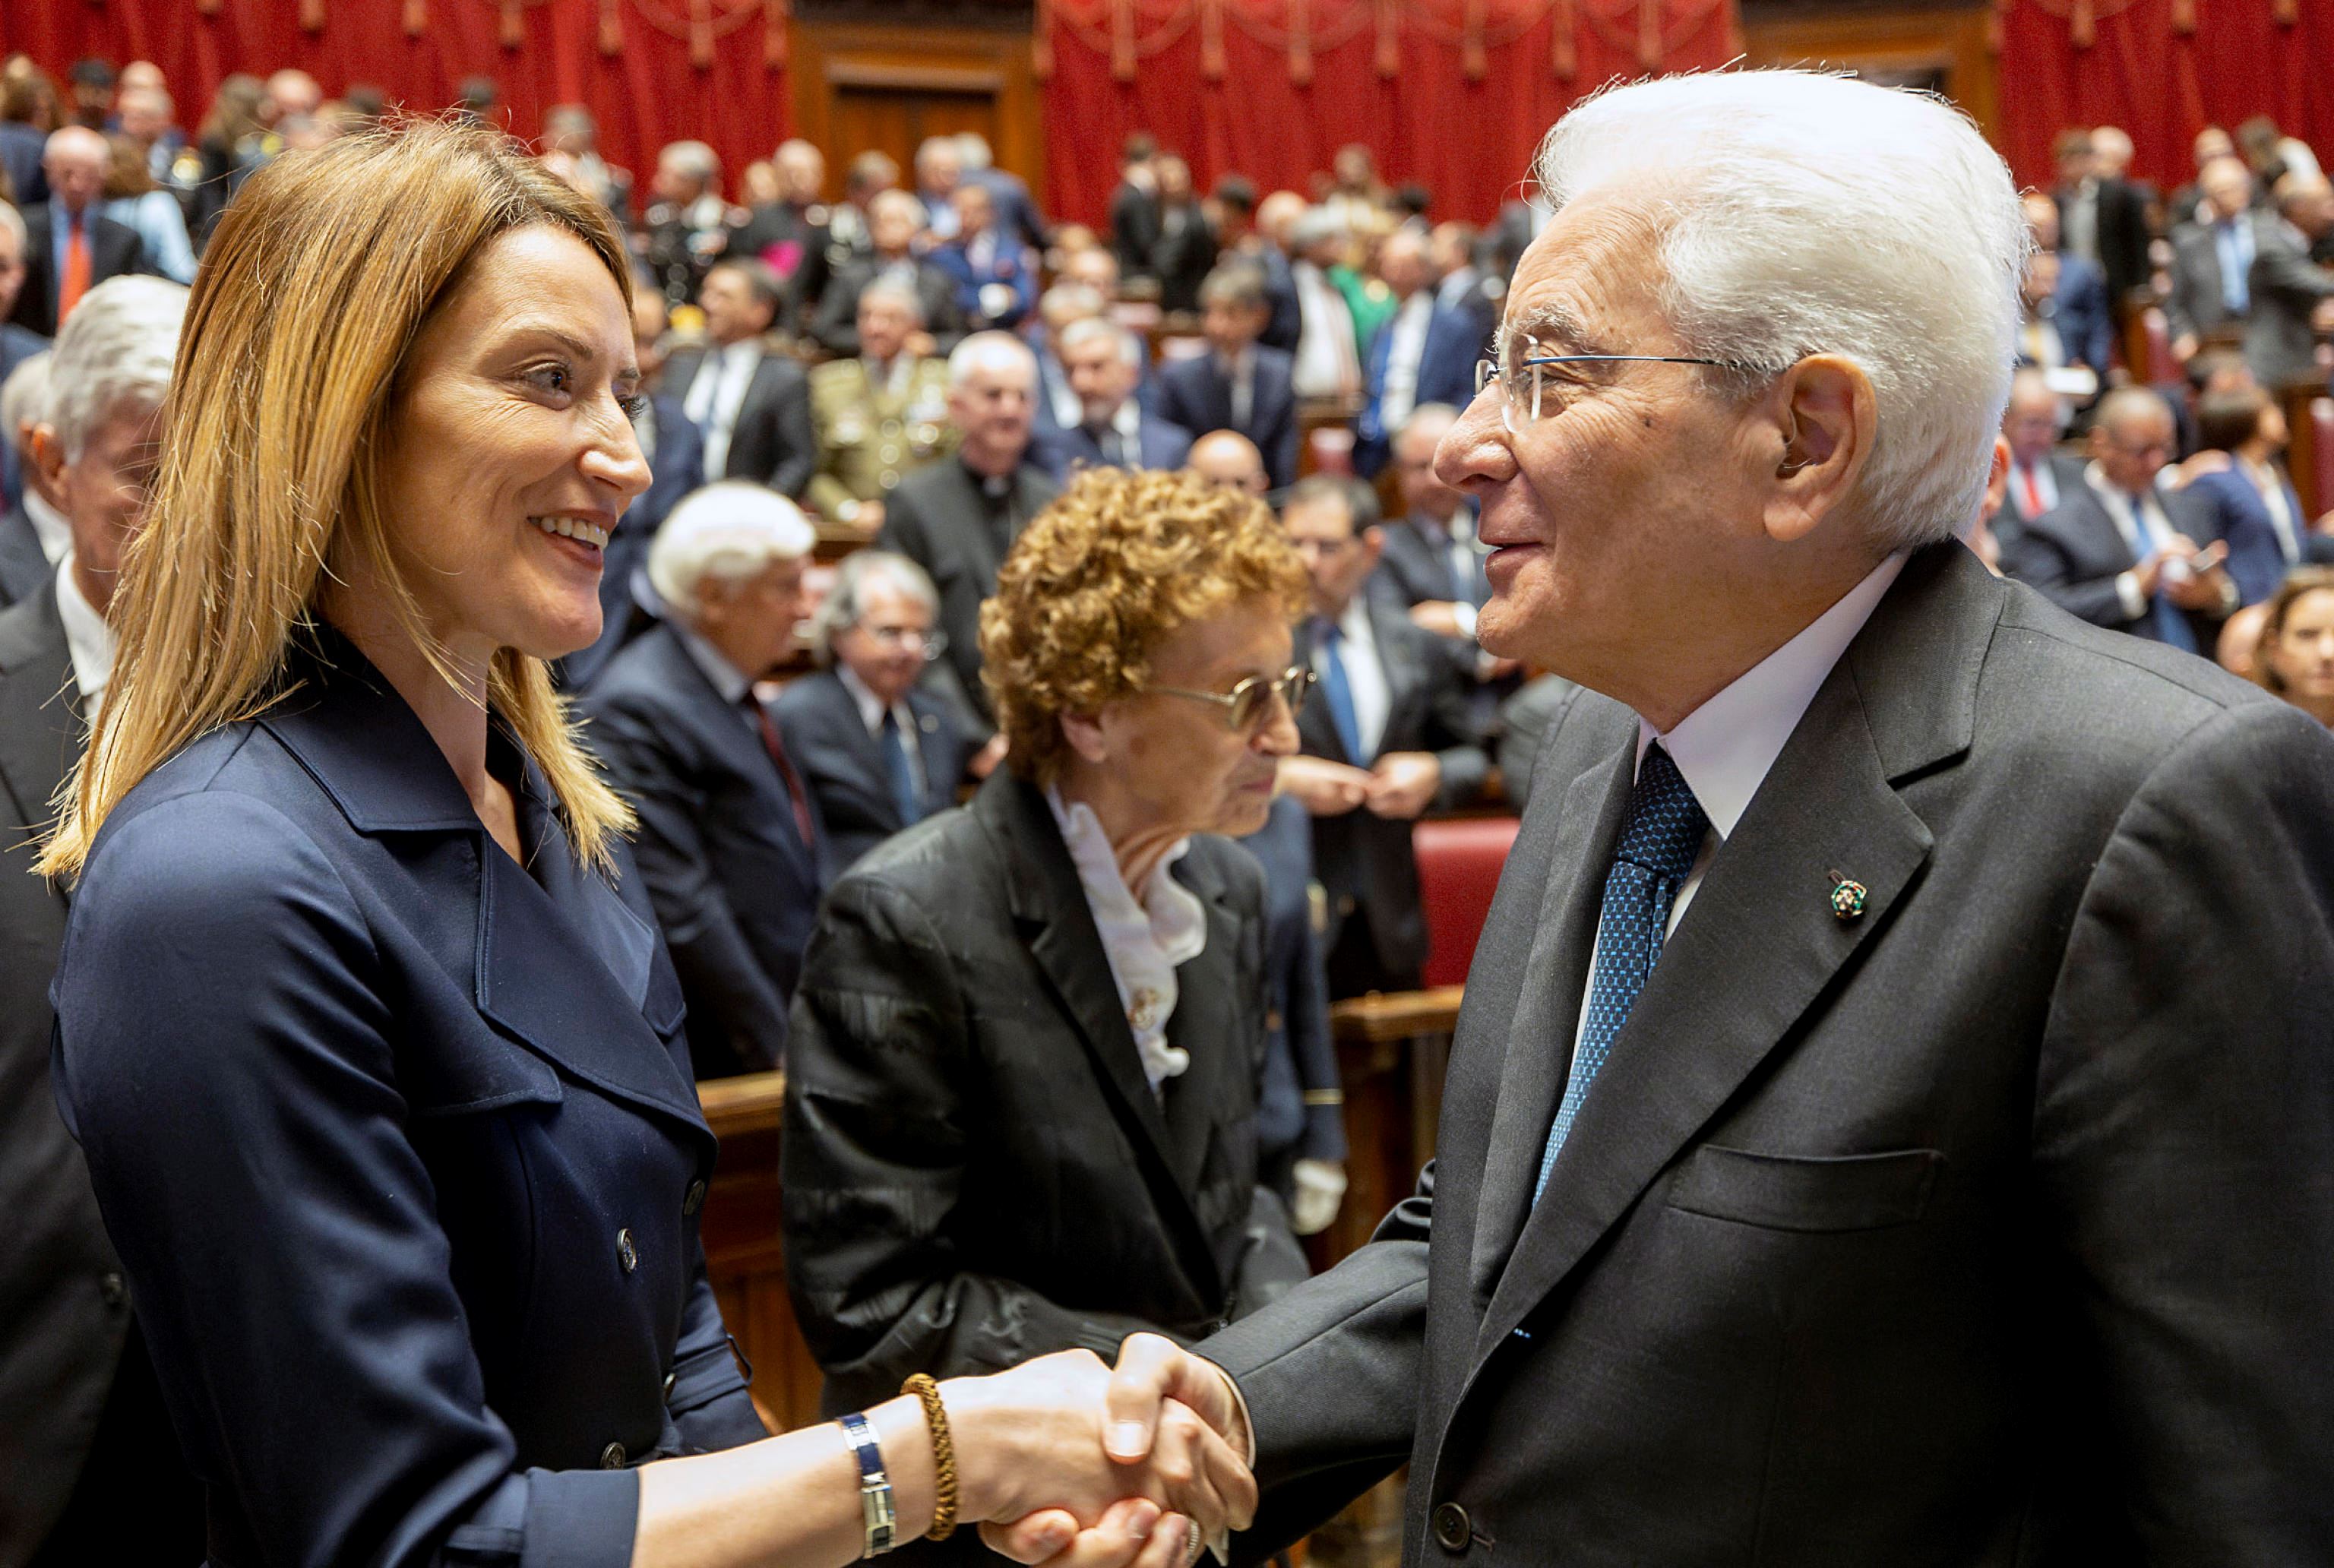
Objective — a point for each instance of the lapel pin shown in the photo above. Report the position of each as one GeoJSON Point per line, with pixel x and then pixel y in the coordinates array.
{"type": "Point", "coordinates": [1848, 898]}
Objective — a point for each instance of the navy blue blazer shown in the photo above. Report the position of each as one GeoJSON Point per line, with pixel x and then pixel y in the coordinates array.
{"type": "Point", "coordinates": [17, 345]}
{"type": "Point", "coordinates": [1295, 1116]}
{"type": "Point", "coordinates": [1196, 394]}
{"type": "Point", "coordinates": [2079, 306]}
{"type": "Point", "coordinates": [1013, 265]}
{"type": "Point", "coordinates": [1160, 445]}
{"type": "Point", "coordinates": [2228, 509]}
{"type": "Point", "coordinates": [843, 765]}
{"type": "Point", "coordinates": [732, 882]}
{"type": "Point", "coordinates": [678, 465]}
{"type": "Point", "coordinates": [1446, 374]}
{"type": "Point", "coordinates": [397, 1142]}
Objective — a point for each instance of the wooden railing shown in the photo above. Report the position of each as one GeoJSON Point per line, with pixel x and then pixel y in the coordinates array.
{"type": "Point", "coordinates": [1391, 1050]}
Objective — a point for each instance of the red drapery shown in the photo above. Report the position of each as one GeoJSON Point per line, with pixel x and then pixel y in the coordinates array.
{"type": "Point", "coordinates": [1452, 93]}
{"type": "Point", "coordinates": [651, 71]}
{"type": "Point", "coordinates": [2163, 70]}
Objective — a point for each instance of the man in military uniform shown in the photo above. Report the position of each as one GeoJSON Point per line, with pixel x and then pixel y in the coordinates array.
{"type": "Point", "coordinates": [881, 415]}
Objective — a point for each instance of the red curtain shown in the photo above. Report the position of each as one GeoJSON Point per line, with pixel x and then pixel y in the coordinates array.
{"type": "Point", "coordinates": [724, 84]}
{"type": "Point", "coordinates": [1452, 93]}
{"type": "Point", "coordinates": [2163, 70]}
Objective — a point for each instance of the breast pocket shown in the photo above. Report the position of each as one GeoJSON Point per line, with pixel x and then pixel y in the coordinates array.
{"type": "Point", "coordinates": [1808, 1193]}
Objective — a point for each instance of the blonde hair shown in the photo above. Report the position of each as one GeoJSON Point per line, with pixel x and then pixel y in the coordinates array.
{"type": "Point", "coordinates": [321, 278]}
{"type": "Point", "coordinates": [1117, 563]}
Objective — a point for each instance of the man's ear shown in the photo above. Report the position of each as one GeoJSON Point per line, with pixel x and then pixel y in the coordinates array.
{"type": "Point", "coordinates": [45, 453]}
{"type": "Point", "coordinates": [1373, 544]}
{"type": "Point", "coordinates": [1825, 419]}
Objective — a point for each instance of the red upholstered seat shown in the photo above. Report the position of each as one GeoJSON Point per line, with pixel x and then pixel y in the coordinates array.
{"type": "Point", "coordinates": [2162, 371]}
{"type": "Point", "coordinates": [2322, 445]}
{"type": "Point", "coordinates": [1458, 863]}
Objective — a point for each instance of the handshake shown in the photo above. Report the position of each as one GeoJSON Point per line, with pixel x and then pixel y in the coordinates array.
{"type": "Point", "coordinates": [1072, 1464]}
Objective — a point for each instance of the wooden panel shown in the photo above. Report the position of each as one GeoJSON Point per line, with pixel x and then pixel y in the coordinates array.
{"type": "Point", "coordinates": [1942, 48]}
{"type": "Point", "coordinates": [866, 85]}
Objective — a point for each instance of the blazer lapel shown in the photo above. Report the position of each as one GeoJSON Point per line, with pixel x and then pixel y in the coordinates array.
{"type": "Point", "coordinates": [1205, 1025]}
{"type": "Point", "coordinates": [1760, 943]}
{"type": "Point", "coordinates": [937, 757]}
{"type": "Point", "coordinates": [39, 713]}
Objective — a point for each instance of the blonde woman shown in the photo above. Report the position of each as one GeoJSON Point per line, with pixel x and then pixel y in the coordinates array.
{"type": "Point", "coordinates": [365, 1026]}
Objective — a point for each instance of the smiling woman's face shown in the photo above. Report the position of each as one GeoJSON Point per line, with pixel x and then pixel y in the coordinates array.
{"type": "Point", "coordinates": [510, 454]}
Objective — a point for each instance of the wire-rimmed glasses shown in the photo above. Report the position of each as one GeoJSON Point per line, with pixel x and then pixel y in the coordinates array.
{"type": "Point", "coordinates": [1246, 704]}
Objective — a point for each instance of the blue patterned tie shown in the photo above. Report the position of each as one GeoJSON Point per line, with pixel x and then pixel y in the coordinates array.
{"type": "Point", "coordinates": [1339, 693]}
{"type": "Point", "coordinates": [905, 795]}
{"type": "Point", "coordinates": [1659, 842]}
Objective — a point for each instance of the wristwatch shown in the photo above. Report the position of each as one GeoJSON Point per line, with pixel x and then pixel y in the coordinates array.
{"type": "Point", "coordinates": [874, 1486]}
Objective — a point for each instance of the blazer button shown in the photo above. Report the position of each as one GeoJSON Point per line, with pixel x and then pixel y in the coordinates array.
{"type": "Point", "coordinates": [1452, 1529]}
{"type": "Point", "coordinates": [612, 1457]}
{"type": "Point", "coordinates": [696, 1199]}
{"type": "Point", "coordinates": [627, 1256]}
{"type": "Point", "coordinates": [110, 1290]}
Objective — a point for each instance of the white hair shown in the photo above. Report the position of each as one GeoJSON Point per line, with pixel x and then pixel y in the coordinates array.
{"type": "Point", "coordinates": [691, 160]}
{"type": "Point", "coordinates": [1088, 328]}
{"type": "Point", "coordinates": [24, 395]}
{"type": "Point", "coordinates": [985, 350]}
{"type": "Point", "coordinates": [892, 288]}
{"type": "Point", "coordinates": [1807, 214]}
{"type": "Point", "coordinates": [13, 222]}
{"type": "Point", "coordinates": [972, 150]}
{"type": "Point", "coordinates": [114, 355]}
{"type": "Point", "coordinates": [846, 598]}
{"type": "Point", "coordinates": [733, 529]}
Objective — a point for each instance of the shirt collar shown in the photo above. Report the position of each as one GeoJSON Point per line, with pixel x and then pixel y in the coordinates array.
{"type": "Point", "coordinates": [731, 682]}
{"type": "Point", "coordinates": [870, 706]}
{"type": "Point", "coordinates": [50, 527]}
{"type": "Point", "coordinates": [1724, 748]}
{"type": "Point", "coordinates": [88, 637]}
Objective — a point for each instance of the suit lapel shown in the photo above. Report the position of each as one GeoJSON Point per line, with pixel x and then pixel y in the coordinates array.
{"type": "Point", "coordinates": [1759, 943]}
{"type": "Point", "coordinates": [39, 713]}
{"type": "Point", "coordinates": [939, 776]}
{"type": "Point", "coordinates": [1205, 1025]}
{"type": "Point", "coordinates": [1314, 725]}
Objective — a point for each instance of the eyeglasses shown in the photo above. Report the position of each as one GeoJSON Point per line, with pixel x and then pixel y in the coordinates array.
{"type": "Point", "coordinates": [1246, 705]}
{"type": "Point", "coordinates": [931, 644]}
{"type": "Point", "coordinates": [1524, 389]}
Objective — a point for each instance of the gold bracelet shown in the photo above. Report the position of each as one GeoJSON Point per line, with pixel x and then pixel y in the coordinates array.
{"type": "Point", "coordinates": [943, 1456]}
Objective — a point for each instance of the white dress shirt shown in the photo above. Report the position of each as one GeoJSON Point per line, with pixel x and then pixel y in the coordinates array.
{"type": "Point", "coordinates": [871, 714]}
{"type": "Point", "coordinates": [2282, 520]}
{"type": "Point", "coordinates": [717, 393]}
{"type": "Point", "coordinates": [1240, 371]}
{"type": "Point", "coordinates": [1404, 350]}
{"type": "Point", "coordinates": [2033, 488]}
{"type": "Point", "coordinates": [1145, 940]}
{"type": "Point", "coordinates": [1365, 677]}
{"type": "Point", "coordinates": [1327, 363]}
{"type": "Point", "coordinates": [50, 527]}
{"type": "Point", "coordinates": [1725, 749]}
{"type": "Point", "coordinates": [89, 640]}
{"type": "Point", "coordinates": [2145, 530]}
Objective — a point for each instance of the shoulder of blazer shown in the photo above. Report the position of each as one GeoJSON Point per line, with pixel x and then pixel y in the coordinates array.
{"type": "Point", "coordinates": [31, 633]}
{"type": "Point", "coordinates": [1217, 868]}
{"type": "Point", "coordinates": [819, 698]}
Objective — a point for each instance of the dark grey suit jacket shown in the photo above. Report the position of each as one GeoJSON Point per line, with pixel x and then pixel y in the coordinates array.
{"type": "Point", "coordinates": [24, 566]}
{"type": "Point", "coordinates": [2074, 553]}
{"type": "Point", "coordinates": [1991, 1227]}
{"type": "Point", "coordinates": [773, 442]}
{"type": "Point", "coordinates": [2197, 303]}
{"type": "Point", "coordinates": [939, 518]}
{"type": "Point", "coordinates": [2286, 286]}
{"type": "Point", "coordinates": [114, 249]}
{"type": "Point", "coordinates": [843, 765]}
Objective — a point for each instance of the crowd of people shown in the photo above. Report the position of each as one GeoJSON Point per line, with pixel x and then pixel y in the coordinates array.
{"type": "Point", "coordinates": [938, 633]}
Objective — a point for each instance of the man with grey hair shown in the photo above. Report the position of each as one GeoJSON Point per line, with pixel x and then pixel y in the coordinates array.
{"type": "Point", "coordinates": [729, 844]}
{"type": "Point", "coordinates": [686, 221]}
{"type": "Point", "coordinates": [1887, 1117]}
{"type": "Point", "coordinates": [23, 395]}
{"type": "Point", "coordinates": [1103, 361]}
{"type": "Point", "coordinates": [17, 343]}
{"type": "Point", "coordinates": [878, 751]}
{"type": "Point", "coordinates": [956, 518]}
{"type": "Point", "coordinates": [93, 1474]}
{"type": "Point", "coordinates": [1240, 383]}
{"type": "Point", "coordinates": [895, 220]}
{"type": "Point", "coordinates": [881, 414]}
{"type": "Point", "coordinates": [71, 247]}
{"type": "Point", "coordinates": [2288, 291]}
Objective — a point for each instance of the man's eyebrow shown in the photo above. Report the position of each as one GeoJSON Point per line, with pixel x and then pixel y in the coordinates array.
{"type": "Point", "coordinates": [1549, 323]}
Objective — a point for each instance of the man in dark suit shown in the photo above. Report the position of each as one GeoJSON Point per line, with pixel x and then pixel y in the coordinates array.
{"type": "Point", "coordinates": [2251, 506]}
{"type": "Point", "coordinates": [2288, 289]}
{"type": "Point", "coordinates": [675, 450]}
{"type": "Point", "coordinates": [1134, 207]}
{"type": "Point", "coordinates": [33, 534]}
{"type": "Point", "coordinates": [1425, 354]}
{"type": "Point", "coordinates": [2121, 552]}
{"type": "Point", "coordinates": [2041, 475]}
{"type": "Point", "coordinates": [1239, 384]}
{"type": "Point", "coordinates": [69, 245]}
{"type": "Point", "coordinates": [956, 518]}
{"type": "Point", "coordinates": [1103, 360]}
{"type": "Point", "coordinates": [1871, 1131]}
{"type": "Point", "coordinates": [1017, 210]}
{"type": "Point", "coordinates": [728, 843]}
{"type": "Point", "coordinates": [2075, 299]}
{"type": "Point", "coordinates": [790, 236]}
{"type": "Point", "coordinates": [2212, 258]}
{"type": "Point", "coordinates": [1392, 734]}
{"type": "Point", "coordinates": [895, 218]}
{"type": "Point", "coordinates": [749, 398]}
{"type": "Point", "coordinates": [878, 753]}
{"type": "Point", "coordinates": [2102, 215]}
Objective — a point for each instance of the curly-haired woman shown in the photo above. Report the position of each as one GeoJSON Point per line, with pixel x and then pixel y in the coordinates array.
{"type": "Point", "coordinates": [1021, 1086]}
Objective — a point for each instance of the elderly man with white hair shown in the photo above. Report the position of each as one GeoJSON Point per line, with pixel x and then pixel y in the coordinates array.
{"type": "Point", "coordinates": [91, 1473]}
{"type": "Point", "coordinates": [25, 557]}
{"type": "Point", "coordinates": [1889, 1117]}
{"type": "Point", "coordinates": [71, 247]}
{"type": "Point", "coordinates": [730, 842]}
{"type": "Point", "coordinates": [956, 518]}
{"type": "Point", "coordinates": [1103, 362]}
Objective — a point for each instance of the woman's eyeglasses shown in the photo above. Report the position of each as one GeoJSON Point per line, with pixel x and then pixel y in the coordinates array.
{"type": "Point", "coordinates": [1246, 705]}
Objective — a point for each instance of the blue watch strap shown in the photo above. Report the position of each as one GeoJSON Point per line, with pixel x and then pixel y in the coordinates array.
{"type": "Point", "coordinates": [876, 1512]}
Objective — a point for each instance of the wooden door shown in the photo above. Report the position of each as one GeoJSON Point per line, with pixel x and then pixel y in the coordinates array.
{"type": "Point", "coordinates": [863, 86]}
{"type": "Point", "coordinates": [895, 117]}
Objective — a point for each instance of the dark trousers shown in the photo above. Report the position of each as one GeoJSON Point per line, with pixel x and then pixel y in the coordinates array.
{"type": "Point", "coordinates": [1354, 966]}
{"type": "Point", "coordinates": [136, 1501]}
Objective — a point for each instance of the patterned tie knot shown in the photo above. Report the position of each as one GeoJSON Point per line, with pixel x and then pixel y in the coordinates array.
{"type": "Point", "coordinates": [1665, 825]}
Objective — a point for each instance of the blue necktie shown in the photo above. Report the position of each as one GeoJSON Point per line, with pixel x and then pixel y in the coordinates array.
{"type": "Point", "coordinates": [1340, 694]}
{"type": "Point", "coordinates": [2170, 624]}
{"type": "Point", "coordinates": [2236, 265]}
{"type": "Point", "coordinates": [905, 793]}
{"type": "Point", "coordinates": [1659, 842]}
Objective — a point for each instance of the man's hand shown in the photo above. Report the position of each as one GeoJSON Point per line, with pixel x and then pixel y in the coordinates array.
{"type": "Point", "coordinates": [1325, 788]}
{"type": "Point", "coordinates": [2197, 466]}
{"type": "Point", "coordinates": [984, 761]}
{"type": "Point", "coordinates": [2205, 585]}
{"type": "Point", "coordinates": [1403, 784]}
{"type": "Point", "coordinates": [869, 518]}
{"type": "Point", "coordinates": [921, 343]}
{"type": "Point", "coordinates": [2143, 575]}
{"type": "Point", "coordinates": [2183, 348]}
{"type": "Point", "coordinates": [1441, 617]}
